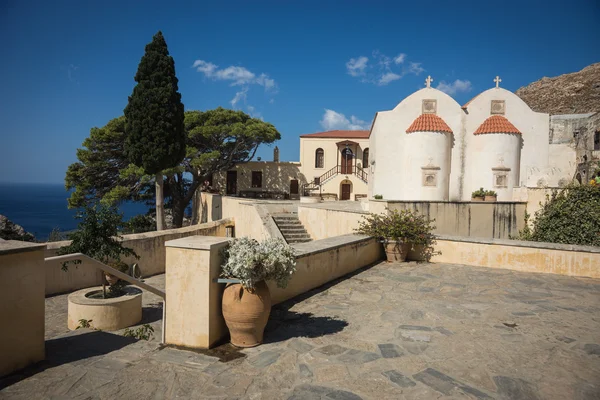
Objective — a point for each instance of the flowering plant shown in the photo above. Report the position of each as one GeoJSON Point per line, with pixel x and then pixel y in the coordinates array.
{"type": "Point", "coordinates": [252, 261]}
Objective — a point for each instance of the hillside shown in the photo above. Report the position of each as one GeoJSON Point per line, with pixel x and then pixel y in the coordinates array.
{"type": "Point", "coordinates": [575, 93]}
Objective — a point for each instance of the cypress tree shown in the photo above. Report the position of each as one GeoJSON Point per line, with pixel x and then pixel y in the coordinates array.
{"type": "Point", "coordinates": [155, 136]}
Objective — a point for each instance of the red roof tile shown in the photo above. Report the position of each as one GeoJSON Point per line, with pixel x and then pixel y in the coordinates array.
{"type": "Point", "coordinates": [496, 124]}
{"type": "Point", "coordinates": [338, 135]}
{"type": "Point", "coordinates": [429, 123]}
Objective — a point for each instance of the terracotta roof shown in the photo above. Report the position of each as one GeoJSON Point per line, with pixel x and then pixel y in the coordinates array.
{"type": "Point", "coordinates": [339, 135]}
{"type": "Point", "coordinates": [496, 124]}
{"type": "Point", "coordinates": [429, 123]}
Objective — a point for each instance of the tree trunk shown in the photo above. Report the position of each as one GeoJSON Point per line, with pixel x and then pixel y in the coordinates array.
{"type": "Point", "coordinates": [160, 206]}
{"type": "Point", "coordinates": [196, 205]}
{"type": "Point", "coordinates": [178, 212]}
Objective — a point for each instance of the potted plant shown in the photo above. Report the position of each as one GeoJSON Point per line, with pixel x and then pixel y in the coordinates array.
{"type": "Point", "coordinates": [400, 231]}
{"type": "Point", "coordinates": [247, 304]}
{"type": "Point", "coordinates": [490, 195]}
{"type": "Point", "coordinates": [478, 195]}
{"type": "Point", "coordinates": [97, 236]}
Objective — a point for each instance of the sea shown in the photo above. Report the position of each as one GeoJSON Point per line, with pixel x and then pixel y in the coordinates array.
{"type": "Point", "coordinates": [41, 207]}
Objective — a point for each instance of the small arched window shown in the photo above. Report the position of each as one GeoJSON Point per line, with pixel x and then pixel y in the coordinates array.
{"type": "Point", "coordinates": [319, 158]}
{"type": "Point", "coordinates": [365, 158]}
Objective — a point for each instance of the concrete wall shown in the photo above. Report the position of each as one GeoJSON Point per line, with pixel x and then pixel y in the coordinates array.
{"type": "Point", "coordinates": [193, 313]}
{"type": "Point", "coordinates": [321, 223]}
{"type": "Point", "coordinates": [474, 219]}
{"type": "Point", "coordinates": [21, 305]}
{"type": "Point", "coordinates": [149, 246]}
{"type": "Point", "coordinates": [520, 256]}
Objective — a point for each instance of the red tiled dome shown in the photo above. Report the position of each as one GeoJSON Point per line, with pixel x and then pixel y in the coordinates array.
{"type": "Point", "coordinates": [496, 124]}
{"type": "Point", "coordinates": [429, 123]}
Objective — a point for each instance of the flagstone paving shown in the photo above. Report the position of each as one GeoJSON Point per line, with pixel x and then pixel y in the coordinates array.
{"type": "Point", "coordinates": [393, 331]}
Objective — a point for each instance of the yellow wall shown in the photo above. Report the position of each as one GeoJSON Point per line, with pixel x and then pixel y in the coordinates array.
{"type": "Point", "coordinates": [322, 223]}
{"type": "Point", "coordinates": [21, 305]}
{"type": "Point", "coordinates": [149, 246]}
{"type": "Point", "coordinates": [521, 256]}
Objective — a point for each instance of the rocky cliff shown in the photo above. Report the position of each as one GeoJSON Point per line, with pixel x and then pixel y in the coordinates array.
{"type": "Point", "coordinates": [11, 231]}
{"type": "Point", "coordinates": [575, 93]}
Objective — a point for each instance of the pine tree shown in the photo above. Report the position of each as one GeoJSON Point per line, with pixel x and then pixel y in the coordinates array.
{"type": "Point", "coordinates": [155, 136]}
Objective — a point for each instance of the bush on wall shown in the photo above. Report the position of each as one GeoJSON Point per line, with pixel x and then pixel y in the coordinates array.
{"type": "Point", "coordinates": [570, 215]}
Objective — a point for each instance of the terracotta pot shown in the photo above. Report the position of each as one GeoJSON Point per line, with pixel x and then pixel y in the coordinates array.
{"type": "Point", "coordinates": [396, 251]}
{"type": "Point", "coordinates": [246, 313]}
{"type": "Point", "coordinates": [111, 279]}
{"type": "Point", "coordinates": [490, 198]}
{"type": "Point", "coordinates": [477, 198]}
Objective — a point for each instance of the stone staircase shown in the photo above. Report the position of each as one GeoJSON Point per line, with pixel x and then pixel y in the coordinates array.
{"type": "Point", "coordinates": [291, 228]}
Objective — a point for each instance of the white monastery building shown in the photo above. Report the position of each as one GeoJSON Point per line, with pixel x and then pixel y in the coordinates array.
{"type": "Point", "coordinates": [427, 148]}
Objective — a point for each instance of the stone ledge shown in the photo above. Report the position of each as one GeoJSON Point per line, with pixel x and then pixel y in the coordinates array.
{"type": "Point", "coordinates": [521, 243]}
{"type": "Point", "coordinates": [17, 246]}
{"type": "Point", "coordinates": [198, 242]}
{"type": "Point", "coordinates": [328, 244]}
{"type": "Point", "coordinates": [446, 201]}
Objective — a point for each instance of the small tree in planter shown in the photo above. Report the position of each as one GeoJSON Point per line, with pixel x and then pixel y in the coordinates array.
{"type": "Point", "coordinates": [97, 236]}
{"type": "Point", "coordinates": [478, 195]}
{"type": "Point", "coordinates": [490, 195]}
{"type": "Point", "coordinates": [247, 304]}
{"type": "Point", "coordinates": [400, 231]}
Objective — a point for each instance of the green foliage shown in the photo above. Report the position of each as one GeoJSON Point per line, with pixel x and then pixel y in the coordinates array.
{"type": "Point", "coordinates": [56, 235]}
{"type": "Point", "coordinates": [139, 224]}
{"type": "Point", "coordinates": [479, 193]}
{"type": "Point", "coordinates": [491, 193]}
{"type": "Point", "coordinates": [403, 226]}
{"type": "Point", "coordinates": [378, 197]}
{"type": "Point", "coordinates": [216, 141]}
{"type": "Point", "coordinates": [85, 323]}
{"type": "Point", "coordinates": [97, 235]}
{"type": "Point", "coordinates": [570, 215]}
{"type": "Point", "coordinates": [252, 261]}
{"type": "Point", "coordinates": [155, 138]}
{"type": "Point", "coordinates": [144, 332]}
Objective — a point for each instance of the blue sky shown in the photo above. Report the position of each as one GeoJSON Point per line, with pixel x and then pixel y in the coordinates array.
{"type": "Point", "coordinates": [305, 66]}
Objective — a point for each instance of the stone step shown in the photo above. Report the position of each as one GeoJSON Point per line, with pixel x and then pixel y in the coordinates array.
{"type": "Point", "coordinates": [296, 236]}
{"type": "Point", "coordinates": [292, 241]}
{"type": "Point", "coordinates": [288, 223]}
{"type": "Point", "coordinates": [294, 228]}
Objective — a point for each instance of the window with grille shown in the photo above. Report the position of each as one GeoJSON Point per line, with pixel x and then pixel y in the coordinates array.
{"type": "Point", "coordinates": [256, 179]}
{"type": "Point", "coordinates": [319, 158]}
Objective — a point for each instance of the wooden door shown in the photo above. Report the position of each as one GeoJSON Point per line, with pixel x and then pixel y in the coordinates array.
{"type": "Point", "coordinates": [231, 182]}
{"type": "Point", "coordinates": [346, 161]}
{"type": "Point", "coordinates": [294, 186]}
{"type": "Point", "coordinates": [346, 191]}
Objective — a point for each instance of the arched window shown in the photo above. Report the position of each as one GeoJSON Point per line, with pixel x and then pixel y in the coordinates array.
{"type": "Point", "coordinates": [319, 158]}
{"type": "Point", "coordinates": [365, 158]}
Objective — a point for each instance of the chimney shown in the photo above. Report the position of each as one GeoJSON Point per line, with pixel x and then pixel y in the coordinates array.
{"type": "Point", "coordinates": [276, 154]}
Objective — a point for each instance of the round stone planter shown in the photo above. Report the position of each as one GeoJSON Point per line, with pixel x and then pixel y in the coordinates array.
{"type": "Point", "coordinates": [106, 314]}
{"type": "Point", "coordinates": [310, 199]}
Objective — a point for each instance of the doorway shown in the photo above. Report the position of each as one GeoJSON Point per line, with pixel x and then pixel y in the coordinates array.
{"type": "Point", "coordinates": [345, 190]}
{"type": "Point", "coordinates": [231, 182]}
{"type": "Point", "coordinates": [294, 189]}
{"type": "Point", "coordinates": [346, 161]}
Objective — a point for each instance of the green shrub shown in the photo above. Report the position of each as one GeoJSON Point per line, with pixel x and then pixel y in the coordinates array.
{"type": "Point", "coordinates": [570, 215]}
{"type": "Point", "coordinates": [401, 226]}
{"type": "Point", "coordinates": [479, 193]}
{"type": "Point", "coordinates": [378, 197]}
{"type": "Point", "coordinates": [139, 224]}
{"type": "Point", "coordinates": [491, 193]}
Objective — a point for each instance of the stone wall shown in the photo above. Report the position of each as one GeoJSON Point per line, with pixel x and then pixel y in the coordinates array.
{"type": "Point", "coordinates": [149, 246]}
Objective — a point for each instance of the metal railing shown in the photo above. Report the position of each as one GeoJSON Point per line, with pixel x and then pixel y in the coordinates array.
{"type": "Point", "coordinates": [120, 275]}
{"type": "Point", "coordinates": [364, 176]}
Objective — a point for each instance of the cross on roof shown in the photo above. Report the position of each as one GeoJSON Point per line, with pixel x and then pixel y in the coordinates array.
{"type": "Point", "coordinates": [497, 80]}
{"type": "Point", "coordinates": [428, 81]}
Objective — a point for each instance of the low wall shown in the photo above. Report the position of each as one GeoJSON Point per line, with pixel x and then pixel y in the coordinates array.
{"type": "Point", "coordinates": [194, 317]}
{"type": "Point", "coordinates": [21, 305]}
{"type": "Point", "coordinates": [498, 220]}
{"type": "Point", "coordinates": [150, 246]}
{"type": "Point", "coordinates": [522, 256]}
{"type": "Point", "coordinates": [321, 223]}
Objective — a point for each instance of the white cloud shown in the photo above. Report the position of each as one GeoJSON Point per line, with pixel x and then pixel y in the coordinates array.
{"type": "Point", "coordinates": [357, 66]}
{"type": "Point", "coordinates": [388, 77]}
{"type": "Point", "coordinates": [333, 120]}
{"type": "Point", "coordinates": [458, 86]}
{"type": "Point", "coordinates": [399, 59]}
{"type": "Point", "coordinates": [235, 74]}
{"type": "Point", "coordinates": [415, 68]}
{"type": "Point", "coordinates": [242, 95]}
{"type": "Point", "coordinates": [253, 113]}
{"type": "Point", "coordinates": [383, 69]}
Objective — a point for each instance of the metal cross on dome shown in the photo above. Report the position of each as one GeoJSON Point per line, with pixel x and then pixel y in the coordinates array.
{"type": "Point", "coordinates": [497, 80]}
{"type": "Point", "coordinates": [428, 81]}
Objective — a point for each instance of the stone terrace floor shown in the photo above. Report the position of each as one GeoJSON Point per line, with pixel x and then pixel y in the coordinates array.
{"type": "Point", "coordinates": [392, 331]}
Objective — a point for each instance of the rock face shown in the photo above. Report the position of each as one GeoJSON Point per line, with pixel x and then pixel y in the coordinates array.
{"type": "Point", "coordinates": [575, 93]}
{"type": "Point", "coordinates": [11, 231]}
